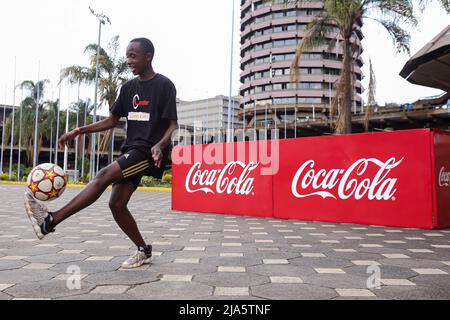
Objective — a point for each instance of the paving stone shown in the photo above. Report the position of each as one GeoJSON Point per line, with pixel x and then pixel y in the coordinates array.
{"type": "Point", "coordinates": [231, 291]}
{"type": "Point", "coordinates": [276, 279]}
{"type": "Point", "coordinates": [280, 270]}
{"type": "Point", "coordinates": [113, 289]}
{"type": "Point", "coordinates": [275, 261]}
{"type": "Point", "coordinates": [355, 293]}
{"type": "Point", "coordinates": [413, 293]}
{"type": "Point", "coordinates": [388, 272]}
{"type": "Point", "coordinates": [123, 277]}
{"type": "Point", "coordinates": [4, 286]}
{"type": "Point", "coordinates": [329, 270]}
{"type": "Point", "coordinates": [430, 271]}
{"type": "Point", "coordinates": [4, 296]}
{"type": "Point", "coordinates": [12, 264]}
{"type": "Point", "coordinates": [224, 279]}
{"type": "Point", "coordinates": [230, 269]}
{"type": "Point", "coordinates": [397, 282]}
{"type": "Point", "coordinates": [46, 289]}
{"type": "Point", "coordinates": [166, 290]}
{"type": "Point", "coordinates": [189, 260]}
{"type": "Point", "coordinates": [275, 291]}
{"type": "Point", "coordinates": [56, 258]}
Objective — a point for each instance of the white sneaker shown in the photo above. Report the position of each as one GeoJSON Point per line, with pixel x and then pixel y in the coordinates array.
{"type": "Point", "coordinates": [37, 213]}
{"type": "Point", "coordinates": [136, 260]}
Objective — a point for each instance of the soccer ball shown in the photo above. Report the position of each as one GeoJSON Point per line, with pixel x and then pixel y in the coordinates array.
{"type": "Point", "coordinates": [46, 182]}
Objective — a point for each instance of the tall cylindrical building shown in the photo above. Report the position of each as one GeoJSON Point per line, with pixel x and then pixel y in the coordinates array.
{"type": "Point", "coordinates": [270, 34]}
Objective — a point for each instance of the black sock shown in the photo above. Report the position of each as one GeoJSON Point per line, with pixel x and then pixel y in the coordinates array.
{"type": "Point", "coordinates": [147, 249]}
{"type": "Point", "coordinates": [47, 227]}
{"type": "Point", "coordinates": [51, 223]}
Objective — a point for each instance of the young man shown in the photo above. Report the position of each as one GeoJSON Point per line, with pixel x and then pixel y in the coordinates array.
{"type": "Point", "coordinates": [149, 104]}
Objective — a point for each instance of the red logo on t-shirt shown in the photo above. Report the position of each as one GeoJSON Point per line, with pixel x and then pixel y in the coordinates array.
{"type": "Point", "coordinates": [137, 103]}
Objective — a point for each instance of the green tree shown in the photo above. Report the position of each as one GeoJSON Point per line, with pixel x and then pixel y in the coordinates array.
{"type": "Point", "coordinates": [113, 72]}
{"type": "Point", "coordinates": [346, 17]}
{"type": "Point", "coordinates": [28, 106]}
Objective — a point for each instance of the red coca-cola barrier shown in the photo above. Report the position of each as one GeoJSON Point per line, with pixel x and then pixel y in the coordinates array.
{"type": "Point", "coordinates": [392, 178]}
{"type": "Point", "coordinates": [222, 178]}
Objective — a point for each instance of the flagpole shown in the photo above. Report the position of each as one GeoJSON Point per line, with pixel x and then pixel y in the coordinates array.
{"type": "Point", "coordinates": [244, 127]}
{"type": "Point", "coordinates": [51, 141]}
{"type": "Point", "coordinates": [295, 123]}
{"type": "Point", "coordinates": [20, 136]}
{"type": "Point", "coordinates": [83, 154]}
{"type": "Point", "coordinates": [57, 116]}
{"type": "Point", "coordinates": [35, 158]}
{"type": "Point", "coordinates": [13, 119]}
{"type": "Point", "coordinates": [254, 119]}
{"type": "Point", "coordinates": [3, 133]}
{"type": "Point", "coordinates": [76, 139]}
{"type": "Point", "coordinates": [101, 20]}
{"type": "Point", "coordinates": [231, 79]}
{"type": "Point", "coordinates": [66, 148]}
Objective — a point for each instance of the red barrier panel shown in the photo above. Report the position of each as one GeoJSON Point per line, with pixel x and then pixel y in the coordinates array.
{"type": "Point", "coordinates": [222, 178]}
{"type": "Point", "coordinates": [442, 177]}
{"type": "Point", "coordinates": [379, 179]}
{"type": "Point", "coordinates": [397, 178]}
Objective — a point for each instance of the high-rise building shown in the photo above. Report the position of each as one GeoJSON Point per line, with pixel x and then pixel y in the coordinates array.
{"type": "Point", "coordinates": [211, 113]}
{"type": "Point", "coordinates": [270, 34]}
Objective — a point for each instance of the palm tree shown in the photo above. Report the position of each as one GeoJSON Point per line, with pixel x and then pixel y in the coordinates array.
{"type": "Point", "coordinates": [445, 4]}
{"type": "Point", "coordinates": [77, 75]}
{"type": "Point", "coordinates": [29, 117]}
{"type": "Point", "coordinates": [371, 103]}
{"type": "Point", "coordinates": [347, 17]}
{"type": "Point", "coordinates": [113, 72]}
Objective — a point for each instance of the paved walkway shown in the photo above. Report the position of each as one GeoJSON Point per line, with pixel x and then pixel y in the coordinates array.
{"type": "Point", "coordinates": [206, 256]}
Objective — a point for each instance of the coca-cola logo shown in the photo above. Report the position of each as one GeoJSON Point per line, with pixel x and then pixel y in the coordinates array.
{"type": "Point", "coordinates": [444, 178]}
{"type": "Point", "coordinates": [347, 183]}
{"type": "Point", "coordinates": [220, 181]}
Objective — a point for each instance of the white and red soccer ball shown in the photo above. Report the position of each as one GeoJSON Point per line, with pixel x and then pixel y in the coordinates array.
{"type": "Point", "coordinates": [46, 182]}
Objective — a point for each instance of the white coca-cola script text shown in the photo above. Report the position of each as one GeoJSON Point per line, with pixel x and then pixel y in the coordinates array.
{"type": "Point", "coordinates": [220, 181]}
{"type": "Point", "coordinates": [347, 183]}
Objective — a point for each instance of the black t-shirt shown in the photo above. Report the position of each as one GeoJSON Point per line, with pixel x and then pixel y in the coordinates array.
{"type": "Point", "coordinates": [148, 107]}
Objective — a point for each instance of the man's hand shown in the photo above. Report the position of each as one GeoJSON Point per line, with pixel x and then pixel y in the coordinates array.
{"type": "Point", "coordinates": [157, 155]}
{"type": "Point", "coordinates": [67, 137]}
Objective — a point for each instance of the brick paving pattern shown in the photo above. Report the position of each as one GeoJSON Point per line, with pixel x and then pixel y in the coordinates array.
{"type": "Point", "coordinates": [201, 256]}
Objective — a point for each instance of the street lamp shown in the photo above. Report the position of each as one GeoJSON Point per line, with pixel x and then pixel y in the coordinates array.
{"type": "Point", "coordinates": [101, 20]}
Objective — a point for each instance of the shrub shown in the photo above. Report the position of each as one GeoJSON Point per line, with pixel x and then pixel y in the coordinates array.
{"type": "Point", "coordinates": [5, 176]}
{"type": "Point", "coordinates": [167, 178]}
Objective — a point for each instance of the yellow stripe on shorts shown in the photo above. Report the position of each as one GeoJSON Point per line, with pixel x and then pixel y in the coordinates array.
{"type": "Point", "coordinates": [133, 166]}
{"type": "Point", "coordinates": [136, 170]}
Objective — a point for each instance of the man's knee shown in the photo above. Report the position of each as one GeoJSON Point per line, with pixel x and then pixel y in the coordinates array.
{"type": "Point", "coordinates": [117, 206]}
{"type": "Point", "coordinates": [108, 175]}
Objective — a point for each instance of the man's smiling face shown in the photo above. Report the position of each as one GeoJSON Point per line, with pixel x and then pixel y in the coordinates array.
{"type": "Point", "coordinates": [137, 59]}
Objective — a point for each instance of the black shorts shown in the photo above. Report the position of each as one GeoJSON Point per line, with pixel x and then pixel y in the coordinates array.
{"type": "Point", "coordinates": [135, 164]}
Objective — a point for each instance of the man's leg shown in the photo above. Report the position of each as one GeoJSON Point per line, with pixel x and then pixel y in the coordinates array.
{"type": "Point", "coordinates": [44, 222]}
{"type": "Point", "coordinates": [90, 193]}
{"type": "Point", "coordinates": [120, 196]}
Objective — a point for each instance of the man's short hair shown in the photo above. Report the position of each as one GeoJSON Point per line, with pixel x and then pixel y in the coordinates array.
{"type": "Point", "coordinates": [146, 44]}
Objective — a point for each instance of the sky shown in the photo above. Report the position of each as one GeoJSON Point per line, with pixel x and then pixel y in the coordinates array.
{"type": "Point", "coordinates": [192, 41]}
